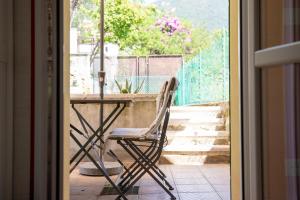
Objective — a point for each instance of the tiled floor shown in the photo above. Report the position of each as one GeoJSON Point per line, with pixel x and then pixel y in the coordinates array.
{"type": "Point", "coordinates": [206, 182]}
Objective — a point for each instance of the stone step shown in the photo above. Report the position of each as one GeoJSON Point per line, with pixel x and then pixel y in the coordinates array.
{"type": "Point", "coordinates": [195, 154]}
{"type": "Point", "coordinates": [194, 159]}
{"type": "Point", "coordinates": [195, 109]}
{"type": "Point", "coordinates": [194, 122]}
{"type": "Point", "coordinates": [199, 141]}
{"type": "Point", "coordinates": [198, 133]}
{"type": "Point", "coordinates": [199, 118]}
{"type": "Point", "coordinates": [192, 109]}
{"type": "Point", "coordinates": [187, 149]}
{"type": "Point", "coordinates": [200, 137]}
{"type": "Point", "coordinates": [207, 126]}
{"type": "Point", "coordinates": [194, 116]}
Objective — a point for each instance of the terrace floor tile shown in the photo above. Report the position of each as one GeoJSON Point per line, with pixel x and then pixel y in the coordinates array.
{"type": "Point", "coordinates": [207, 182]}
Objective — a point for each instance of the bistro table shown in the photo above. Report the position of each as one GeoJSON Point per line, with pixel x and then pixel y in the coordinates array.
{"type": "Point", "coordinates": [94, 138]}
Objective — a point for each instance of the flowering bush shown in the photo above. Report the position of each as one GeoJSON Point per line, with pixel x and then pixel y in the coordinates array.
{"type": "Point", "coordinates": [169, 25]}
{"type": "Point", "coordinates": [139, 29]}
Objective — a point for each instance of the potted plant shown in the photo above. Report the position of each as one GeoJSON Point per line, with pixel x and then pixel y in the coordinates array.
{"type": "Point", "coordinates": [127, 89]}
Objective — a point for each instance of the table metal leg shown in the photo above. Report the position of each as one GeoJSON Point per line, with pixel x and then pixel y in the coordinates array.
{"type": "Point", "coordinates": [95, 132]}
{"type": "Point", "coordinates": [101, 168]}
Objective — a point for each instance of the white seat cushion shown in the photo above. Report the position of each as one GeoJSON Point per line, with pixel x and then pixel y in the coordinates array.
{"type": "Point", "coordinates": [130, 133]}
{"type": "Point", "coordinates": [118, 133]}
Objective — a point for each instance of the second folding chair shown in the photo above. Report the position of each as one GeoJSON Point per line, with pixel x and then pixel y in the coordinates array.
{"type": "Point", "coordinates": [134, 141]}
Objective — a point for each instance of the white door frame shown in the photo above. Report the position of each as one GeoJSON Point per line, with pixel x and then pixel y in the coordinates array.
{"type": "Point", "coordinates": [51, 172]}
{"type": "Point", "coordinates": [64, 101]}
{"type": "Point", "coordinates": [250, 104]}
{"type": "Point", "coordinates": [64, 97]}
{"type": "Point", "coordinates": [235, 101]}
{"type": "Point", "coordinates": [253, 61]}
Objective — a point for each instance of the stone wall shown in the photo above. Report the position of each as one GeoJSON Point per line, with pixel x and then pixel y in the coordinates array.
{"type": "Point", "coordinates": [225, 116]}
{"type": "Point", "coordinates": [138, 114]}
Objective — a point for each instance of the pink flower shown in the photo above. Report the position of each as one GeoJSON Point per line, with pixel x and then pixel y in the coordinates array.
{"type": "Point", "coordinates": [169, 25]}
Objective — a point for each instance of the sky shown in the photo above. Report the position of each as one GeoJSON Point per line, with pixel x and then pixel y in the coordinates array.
{"type": "Point", "coordinates": [212, 14]}
{"type": "Point", "coordinates": [149, 1]}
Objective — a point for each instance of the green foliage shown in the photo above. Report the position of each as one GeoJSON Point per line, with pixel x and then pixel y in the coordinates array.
{"type": "Point", "coordinates": [132, 26]}
{"type": "Point", "coordinates": [139, 88]}
{"type": "Point", "coordinates": [120, 19]}
{"type": "Point", "coordinates": [128, 87]}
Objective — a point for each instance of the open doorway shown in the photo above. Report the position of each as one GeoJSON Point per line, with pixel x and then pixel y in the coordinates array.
{"type": "Point", "coordinates": [161, 39]}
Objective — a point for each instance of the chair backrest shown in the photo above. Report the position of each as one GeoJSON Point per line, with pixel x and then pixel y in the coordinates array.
{"type": "Point", "coordinates": [161, 97]}
{"type": "Point", "coordinates": [167, 101]}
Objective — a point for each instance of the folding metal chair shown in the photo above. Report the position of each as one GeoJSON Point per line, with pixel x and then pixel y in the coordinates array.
{"type": "Point", "coordinates": [153, 138]}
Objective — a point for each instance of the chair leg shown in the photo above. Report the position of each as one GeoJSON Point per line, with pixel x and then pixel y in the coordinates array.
{"type": "Point", "coordinates": [135, 163]}
{"type": "Point", "coordinates": [151, 155]}
{"type": "Point", "coordinates": [153, 166]}
{"type": "Point", "coordinates": [146, 158]}
{"type": "Point", "coordinates": [137, 168]}
{"type": "Point", "coordinates": [146, 170]}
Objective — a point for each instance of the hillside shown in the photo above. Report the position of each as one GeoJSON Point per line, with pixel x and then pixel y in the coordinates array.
{"type": "Point", "coordinates": [211, 13]}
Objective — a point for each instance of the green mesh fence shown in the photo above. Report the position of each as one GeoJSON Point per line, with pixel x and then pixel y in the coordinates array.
{"type": "Point", "coordinates": [205, 78]}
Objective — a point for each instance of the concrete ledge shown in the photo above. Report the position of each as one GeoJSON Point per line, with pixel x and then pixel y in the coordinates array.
{"type": "Point", "coordinates": [133, 97]}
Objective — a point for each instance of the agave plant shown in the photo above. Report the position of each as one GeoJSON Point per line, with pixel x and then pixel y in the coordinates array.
{"type": "Point", "coordinates": [128, 87]}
